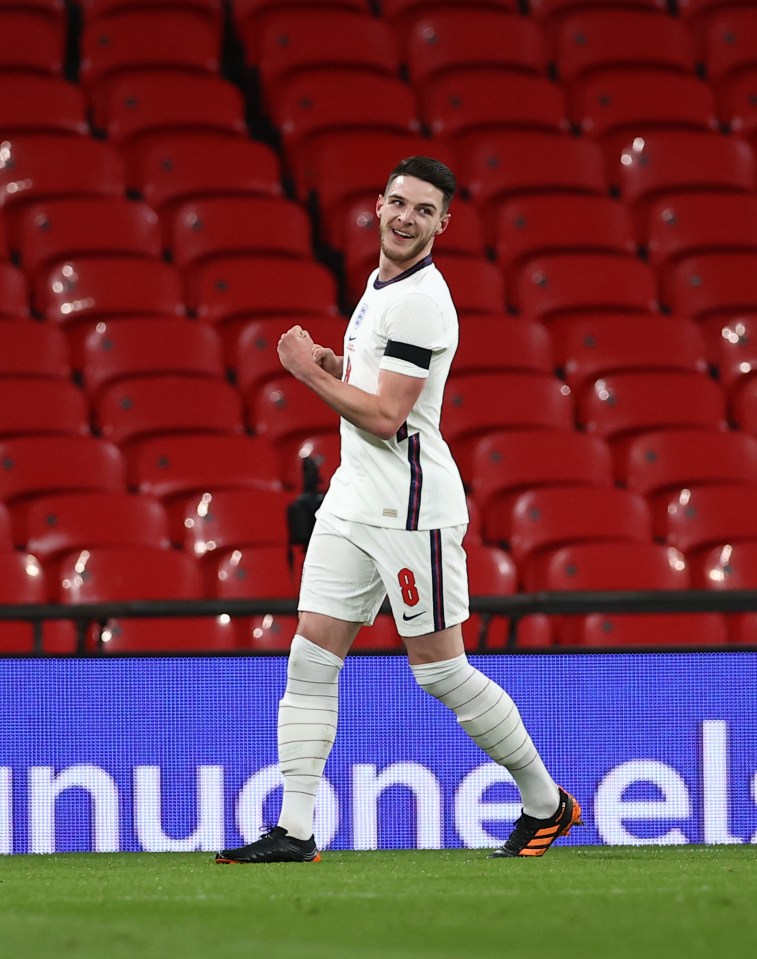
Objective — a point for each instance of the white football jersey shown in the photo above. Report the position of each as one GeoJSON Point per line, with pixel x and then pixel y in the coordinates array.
{"type": "Point", "coordinates": [407, 325]}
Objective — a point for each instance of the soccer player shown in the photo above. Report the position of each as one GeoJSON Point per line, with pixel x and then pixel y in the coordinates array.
{"type": "Point", "coordinates": [392, 523]}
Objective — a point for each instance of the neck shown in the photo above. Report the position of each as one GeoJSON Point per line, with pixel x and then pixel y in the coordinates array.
{"type": "Point", "coordinates": [390, 269]}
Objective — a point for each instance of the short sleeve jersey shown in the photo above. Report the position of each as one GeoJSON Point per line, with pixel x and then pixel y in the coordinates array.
{"type": "Point", "coordinates": [407, 325]}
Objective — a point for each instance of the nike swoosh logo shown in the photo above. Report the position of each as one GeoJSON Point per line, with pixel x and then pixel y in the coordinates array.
{"type": "Point", "coordinates": [414, 616]}
{"type": "Point", "coordinates": [351, 338]}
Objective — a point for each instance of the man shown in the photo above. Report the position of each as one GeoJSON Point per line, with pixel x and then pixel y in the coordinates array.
{"type": "Point", "coordinates": [392, 523]}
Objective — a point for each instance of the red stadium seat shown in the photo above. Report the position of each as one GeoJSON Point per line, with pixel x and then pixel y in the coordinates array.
{"type": "Point", "coordinates": [482, 402]}
{"type": "Point", "coordinates": [224, 226]}
{"type": "Point", "coordinates": [42, 406]}
{"type": "Point", "coordinates": [402, 13]}
{"type": "Point", "coordinates": [703, 517]}
{"type": "Point", "coordinates": [92, 10]}
{"type": "Point", "coordinates": [31, 103]}
{"type": "Point", "coordinates": [523, 345]}
{"type": "Point", "coordinates": [587, 348]}
{"type": "Point", "coordinates": [230, 290]}
{"type": "Point", "coordinates": [664, 462]}
{"type": "Point", "coordinates": [121, 573]}
{"type": "Point", "coordinates": [621, 405]}
{"type": "Point", "coordinates": [255, 11]}
{"type": "Point", "coordinates": [548, 287]}
{"type": "Point", "coordinates": [476, 284]}
{"type": "Point", "coordinates": [60, 523]}
{"type": "Point", "coordinates": [729, 42]}
{"type": "Point", "coordinates": [147, 39]}
{"type": "Point", "coordinates": [323, 100]}
{"type": "Point", "coordinates": [33, 349]}
{"type": "Point", "coordinates": [617, 105]}
{"type": "Point", "coordinates": [678, 161]}
{"type": "Point", "coordinates": [173, 466]}
{"type": "Point", "coordinates": [30, 41]}
{"type": "Point", "coordinates": [228, 519]}
{"type": "Point", "coordinates": [544, 520]}
{"type": "Point", "coordinates": [80, 292]}
{"type": "Point", "coordinates": [626, 566]}
{"type": "Point", "coordinates": [167, 404]}
{"type": "Point", "coordinates": [256, 357]}
{"type": "Point", "coordinates": [112, 573]}
{"type": "Point", "coordinates": [734, 354]}
{"type": "Point", "coordinates": [607, 565]}
{"type": "Point", "coordinates": [530, 226]}
{"type": "Point", "coordinates": [491, 572]}
{"type": "Point", "coordinates": [690, 223]}
{"type": "Point", "coordinates": [170, 169]}
{"type": "Point", "coordinates": [743, 405]}
{"type": "Point", "coordinates": [694, 630]}
{"type": "Point", "coordinates": [22, 581]}
{"type": "Point", "coordinates": [733, 566]}
{"type": "Point", "coordinates": [117, 350]}
{"type": "Point", "coordinates": [308, 38]}
{"type": "Point", "coordinates": [252, 572]}
{"type": "Point", "coordinates": [83, 167]}
{"type": "Point", "coordinates": [267, 633]}
{"type": "Point", "coordinates": [5, 527]}
{"type": "Point", "coordinates": [31, 466]}
{"type": "Point", "coordinates": [507, 463]}
{"type": "Point", "coordinates": [14, 292]}
{"type": "Point", "coordinates": [499, 166]}
{"type": "Point", "coordinates": [737, 104]}
{"type": "Point", "coordinates": [190, 634]}
{"type": "Point", "coordinates": [594, 39]}
{"type": "Point", "coordinates": [145, 102]}
{"type": "Point", "coordinates": [711, 285]}
{"type": "Point", "coordinates": [479, 99]}
{"type": "Point", "coordinates": [283, 410]}
{"type": "Point", "coordinates": [442, 39]}
{"type": "Point", "coordinates": [60, 229]}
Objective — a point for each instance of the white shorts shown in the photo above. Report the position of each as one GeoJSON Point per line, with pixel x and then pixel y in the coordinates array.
{"type": "Point", "coordinates": [350, 568]}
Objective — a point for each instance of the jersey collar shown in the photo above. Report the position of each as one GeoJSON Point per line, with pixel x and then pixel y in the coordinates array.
{"type": "Point", "coordinates": [420, 265]}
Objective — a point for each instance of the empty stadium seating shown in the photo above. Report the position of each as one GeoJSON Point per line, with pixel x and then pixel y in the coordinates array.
{"type": "Point", "coordinates": [33, 350]}
{"type": "Point", "coordinates": [481, 402]}
{"type": "Point", "coordinates": [48, 232]}
{"type": "Point", "coordinates": [543, 520]}
{"type": "Point", "coordinates": [506, 463]}
{"type": "Point", "coordinates": [172, 466]}
{"type": "Point", "coordinates": [588, 348]}
{"type": "Point", "coordinates": [119, 349]}
{"type": "Point", "coordinates": [166, 405]}
{"type": "Point", "coordinates": [602, 256]}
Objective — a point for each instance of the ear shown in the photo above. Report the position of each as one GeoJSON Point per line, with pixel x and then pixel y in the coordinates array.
{"type": "Point", "coordinates": [443, 224]}
{"type": "Point", "coordinates": [379, 204]}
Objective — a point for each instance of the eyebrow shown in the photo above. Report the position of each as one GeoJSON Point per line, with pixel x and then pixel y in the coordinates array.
{"type": "Point", "coordinates": [399, 196]}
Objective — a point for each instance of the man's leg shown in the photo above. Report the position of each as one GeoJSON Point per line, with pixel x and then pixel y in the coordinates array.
{"type": "Point", "coordinates": [486, 712]}
{"type": "Point", "coordinates": [308, 714]}
{"type": "Point", "coordinates": [307, 721]}
{"type": "Point", "coordinates": [491, 718]}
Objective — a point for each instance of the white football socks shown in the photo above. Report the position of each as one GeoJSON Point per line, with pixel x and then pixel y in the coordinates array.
{"type": "Point", "coordinates": [306, 730]}
{"type": "Point", "coordinates": [491, 719]}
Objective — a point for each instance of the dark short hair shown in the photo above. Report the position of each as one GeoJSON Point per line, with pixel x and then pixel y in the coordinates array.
{"type": "Point", "coordinates": [431, 171]}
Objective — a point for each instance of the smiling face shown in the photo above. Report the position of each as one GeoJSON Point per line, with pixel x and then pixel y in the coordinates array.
{"type": "Point", "coordinates": [411, 215]}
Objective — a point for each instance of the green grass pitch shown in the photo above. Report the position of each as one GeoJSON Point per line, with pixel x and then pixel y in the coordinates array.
{"type": "Point", "coordinates": [640, 903]}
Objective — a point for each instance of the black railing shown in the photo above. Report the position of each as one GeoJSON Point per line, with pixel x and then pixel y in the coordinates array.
{"type": "Point", "coordinates": [514, 608]}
